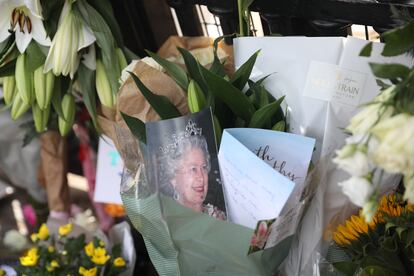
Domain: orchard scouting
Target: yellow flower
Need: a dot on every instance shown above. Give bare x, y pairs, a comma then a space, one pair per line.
50, 249
99, 256
53, 264
101, 244
88, 272
43, 232
2, 272
118, 262
89, 248
65, 229
31, 258
33, 237
390, 205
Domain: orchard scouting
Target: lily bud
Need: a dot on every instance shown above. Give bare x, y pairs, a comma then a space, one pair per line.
9, 89
40, 117
196, 98
103, 87
24, 79
68, 110
19, 107
43, 86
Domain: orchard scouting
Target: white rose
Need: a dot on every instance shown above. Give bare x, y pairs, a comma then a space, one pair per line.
353, 159
409, 188
395, 152
357, 189
369, 115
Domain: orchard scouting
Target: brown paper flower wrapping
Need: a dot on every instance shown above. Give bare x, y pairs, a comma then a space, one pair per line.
53, 170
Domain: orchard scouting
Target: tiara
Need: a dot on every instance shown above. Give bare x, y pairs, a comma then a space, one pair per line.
190, 130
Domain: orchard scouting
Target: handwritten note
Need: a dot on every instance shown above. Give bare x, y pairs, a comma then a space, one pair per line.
257, 175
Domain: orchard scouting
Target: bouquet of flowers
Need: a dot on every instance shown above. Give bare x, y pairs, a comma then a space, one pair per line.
380, 247
56, 53
66, 254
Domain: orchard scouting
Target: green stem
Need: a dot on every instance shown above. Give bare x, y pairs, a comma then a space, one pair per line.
241, 21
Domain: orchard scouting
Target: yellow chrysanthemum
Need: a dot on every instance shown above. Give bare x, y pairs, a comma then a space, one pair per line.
99, 256
33, 237
43, 233
89, 249
50, 249
65, 229
352, 229
31, 258
119, 262
88, 272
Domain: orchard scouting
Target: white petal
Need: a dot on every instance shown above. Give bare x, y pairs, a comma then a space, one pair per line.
86, 37
89, 59
5, 13
23, 39
35, 7
39, 32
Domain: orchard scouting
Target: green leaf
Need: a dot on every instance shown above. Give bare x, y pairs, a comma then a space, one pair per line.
35, 56
161, 104
242, 75
8, 69
398, 40
104, 39
376, 271
410, 237
348, 268
366, 51
129, 55
105, 9
261, 116
217, 67
9, 52
279, 126
173, 69
51, 12
390, 71
235, 99
86, 80
136, 126
194, 69
382, 84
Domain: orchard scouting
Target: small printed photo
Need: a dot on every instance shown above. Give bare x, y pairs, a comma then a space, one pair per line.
184, 164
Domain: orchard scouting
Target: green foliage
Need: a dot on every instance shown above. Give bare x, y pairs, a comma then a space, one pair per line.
366, 51
164, 108
174, 70
136, 126
86, 79
399, 40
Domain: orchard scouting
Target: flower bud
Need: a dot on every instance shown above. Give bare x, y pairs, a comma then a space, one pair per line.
19, 107
103, 88
196, 98
9, 89
24, 79
40, 117
43, 87
68, 110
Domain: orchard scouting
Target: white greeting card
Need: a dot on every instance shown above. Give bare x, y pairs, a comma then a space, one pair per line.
260, 174
108, 173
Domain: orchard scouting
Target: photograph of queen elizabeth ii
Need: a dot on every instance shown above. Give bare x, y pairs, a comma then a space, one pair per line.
184, 156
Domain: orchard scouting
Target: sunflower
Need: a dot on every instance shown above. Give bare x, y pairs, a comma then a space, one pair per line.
390, 206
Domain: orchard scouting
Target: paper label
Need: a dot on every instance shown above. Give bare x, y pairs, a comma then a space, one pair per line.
108, 173
330, 82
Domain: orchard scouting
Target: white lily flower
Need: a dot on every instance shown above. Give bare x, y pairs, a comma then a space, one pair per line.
24, 18
71, 36
357, 189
